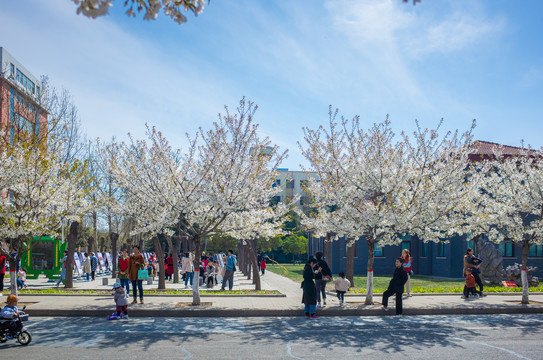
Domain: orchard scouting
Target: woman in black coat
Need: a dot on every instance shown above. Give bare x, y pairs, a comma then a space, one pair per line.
309, 297
396, 287
324, 270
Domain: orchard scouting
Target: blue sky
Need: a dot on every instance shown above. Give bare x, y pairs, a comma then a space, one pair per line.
453, 59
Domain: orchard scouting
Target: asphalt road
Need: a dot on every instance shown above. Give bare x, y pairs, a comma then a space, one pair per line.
410, 337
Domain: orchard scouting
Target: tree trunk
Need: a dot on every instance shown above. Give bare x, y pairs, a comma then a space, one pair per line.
90, 241
350, 262
196, 280
113, 236
102, 243
94, 223
369, 283
328, 250
170, 246
524, 271
141, 243
160, 258
13, 274
72, 241
247, 260
241, 262
176, 244
251, 245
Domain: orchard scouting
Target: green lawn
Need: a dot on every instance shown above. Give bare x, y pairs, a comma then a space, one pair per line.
419, 284
145, 292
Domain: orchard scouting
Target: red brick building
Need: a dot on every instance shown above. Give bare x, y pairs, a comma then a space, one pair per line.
21, 108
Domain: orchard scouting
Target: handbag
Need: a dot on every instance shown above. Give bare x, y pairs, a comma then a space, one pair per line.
327, 278
143, 274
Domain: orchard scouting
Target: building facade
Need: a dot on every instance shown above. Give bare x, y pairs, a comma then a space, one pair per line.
21, 109
444, 259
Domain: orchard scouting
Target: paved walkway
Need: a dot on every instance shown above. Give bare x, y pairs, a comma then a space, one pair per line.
288, 305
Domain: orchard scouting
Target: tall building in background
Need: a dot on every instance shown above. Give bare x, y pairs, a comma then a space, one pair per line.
294, 183
20, 105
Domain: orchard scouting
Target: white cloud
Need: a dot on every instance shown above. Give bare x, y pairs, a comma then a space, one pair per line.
454, 33
118, 81
532, 77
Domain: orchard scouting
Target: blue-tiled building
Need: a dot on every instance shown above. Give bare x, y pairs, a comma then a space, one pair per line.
433, 259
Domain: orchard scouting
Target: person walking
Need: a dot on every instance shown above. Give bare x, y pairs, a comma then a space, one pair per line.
230, 268
395, 286
3, 262
87, 266
342, 285
263, 266
471, 261
169, 267
407, 266
94, 265
136, 262
63, 268
187, 266
122, 262
309, 297
321, 278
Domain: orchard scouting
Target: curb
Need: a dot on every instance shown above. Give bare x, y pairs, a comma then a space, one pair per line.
209, 312
168, 295
509, 293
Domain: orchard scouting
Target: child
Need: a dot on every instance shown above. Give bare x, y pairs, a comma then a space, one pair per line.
10, 312
210, 271
22, 278
121, 300
396, 287
470, 288
263, 266
342, 285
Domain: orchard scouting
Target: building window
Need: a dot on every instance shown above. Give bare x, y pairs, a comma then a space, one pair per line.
506, 249
441, 249
24, 124
424, 249
25, 82
536, 251
406, 245
275, 200
378, 250
290, 184
277, 182
12, 69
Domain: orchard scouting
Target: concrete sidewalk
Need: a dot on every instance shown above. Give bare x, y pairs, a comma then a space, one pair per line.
289, 305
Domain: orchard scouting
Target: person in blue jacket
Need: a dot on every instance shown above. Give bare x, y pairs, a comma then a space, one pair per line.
230, 269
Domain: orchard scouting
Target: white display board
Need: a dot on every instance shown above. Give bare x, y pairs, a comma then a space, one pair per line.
78, 266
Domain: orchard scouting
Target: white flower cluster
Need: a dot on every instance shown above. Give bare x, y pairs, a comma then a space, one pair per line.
221, 183
38, 189
172, 8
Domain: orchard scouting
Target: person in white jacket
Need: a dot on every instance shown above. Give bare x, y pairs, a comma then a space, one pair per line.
187, 266
342, 285
87, 266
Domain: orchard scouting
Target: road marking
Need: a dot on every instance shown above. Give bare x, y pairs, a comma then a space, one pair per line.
189, 355
288, 326
494, 347
289, 352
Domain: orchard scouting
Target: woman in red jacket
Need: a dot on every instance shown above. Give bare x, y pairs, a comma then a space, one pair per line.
123, 271
3, 261
263, 266
169, 267
408, 267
